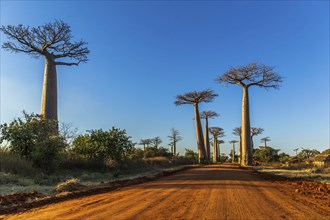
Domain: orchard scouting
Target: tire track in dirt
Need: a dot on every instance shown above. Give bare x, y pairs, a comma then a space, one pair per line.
209, 192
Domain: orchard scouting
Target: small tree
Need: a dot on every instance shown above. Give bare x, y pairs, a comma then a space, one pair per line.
32, 137
174, 138
206, 115
194, 98
99, 145
265, 139
53, 42
306, 153
266, 154
247, 76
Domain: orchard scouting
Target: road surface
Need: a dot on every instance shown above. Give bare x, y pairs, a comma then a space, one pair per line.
209, 192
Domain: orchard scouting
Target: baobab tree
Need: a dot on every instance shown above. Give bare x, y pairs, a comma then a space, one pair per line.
219, 149
265, 139
206, 115
238, 132
145, 143
216, 132
174, 138
233, 151
194, 98
53, 42
255, 132
156, 142
246, 76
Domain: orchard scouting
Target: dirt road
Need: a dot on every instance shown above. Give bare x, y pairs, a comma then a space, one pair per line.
209, 192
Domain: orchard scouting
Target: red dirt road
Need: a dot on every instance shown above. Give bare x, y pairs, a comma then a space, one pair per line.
209, 192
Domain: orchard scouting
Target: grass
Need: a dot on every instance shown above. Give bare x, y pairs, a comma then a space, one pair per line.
18, 175
300, 171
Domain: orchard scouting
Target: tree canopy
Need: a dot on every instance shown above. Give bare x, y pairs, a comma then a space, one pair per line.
195, 97
252, 74
50, 39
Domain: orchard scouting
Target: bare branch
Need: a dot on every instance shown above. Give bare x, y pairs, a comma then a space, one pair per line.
195, 97
51, 39
253, 74
66, 64
216, 132
208, 114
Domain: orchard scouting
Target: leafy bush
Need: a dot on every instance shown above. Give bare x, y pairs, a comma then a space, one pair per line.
34, 138
47, 153
190, 154
99, 145
157, 152
265, 154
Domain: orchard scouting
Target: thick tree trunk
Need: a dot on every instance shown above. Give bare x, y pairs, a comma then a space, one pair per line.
207, 140
246, 131
49, 91
233, 154
174, 148
199, 135
218, 153
240, 149
252, 143
215, 151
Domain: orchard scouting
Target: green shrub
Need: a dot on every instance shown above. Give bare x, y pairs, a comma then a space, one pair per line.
191, 155
47, 154
36, 139
99, 145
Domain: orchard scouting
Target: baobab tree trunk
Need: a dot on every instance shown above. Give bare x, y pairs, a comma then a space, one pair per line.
233, 154
246, 130
174, 149
199, 135
49, 91
252, 143
207, 140
215, 151
218, 151
240, 149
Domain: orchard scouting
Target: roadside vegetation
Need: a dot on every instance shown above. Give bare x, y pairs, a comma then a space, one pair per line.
36, 156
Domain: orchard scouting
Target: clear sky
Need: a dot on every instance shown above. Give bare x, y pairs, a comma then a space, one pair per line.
144, 53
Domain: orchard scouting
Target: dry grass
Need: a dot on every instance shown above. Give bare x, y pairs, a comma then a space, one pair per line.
299, 171
69, 186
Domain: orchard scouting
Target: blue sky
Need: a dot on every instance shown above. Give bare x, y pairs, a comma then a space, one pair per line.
144, 53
